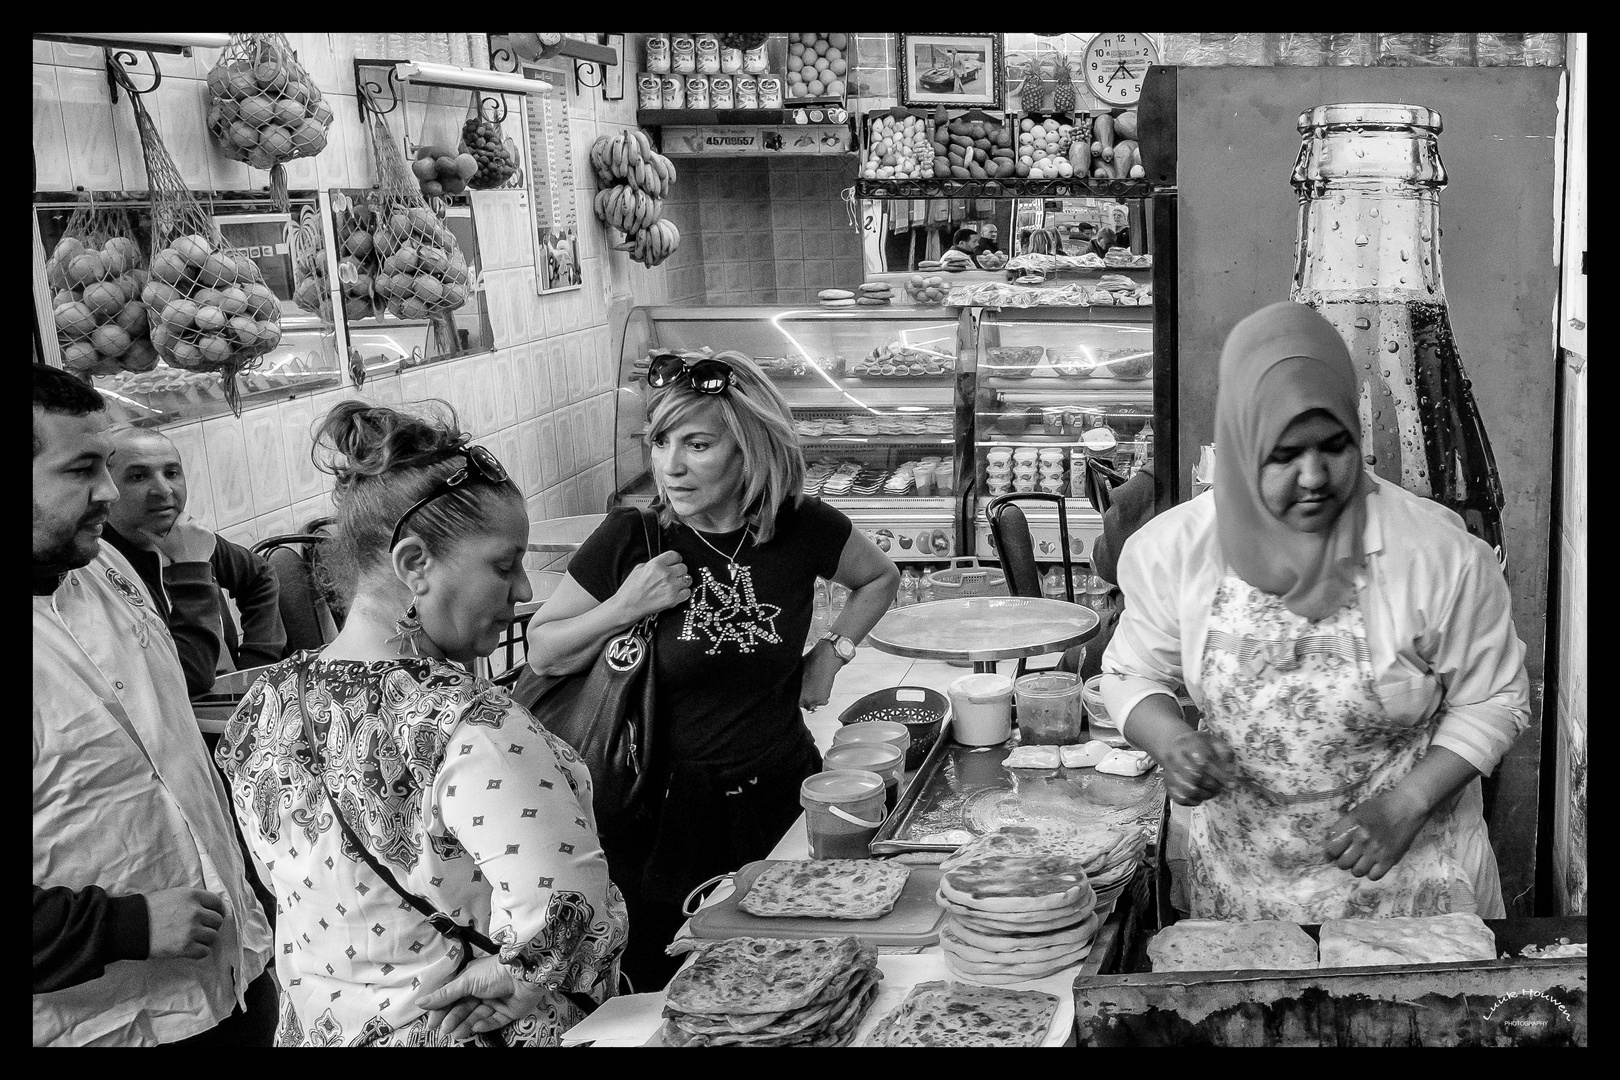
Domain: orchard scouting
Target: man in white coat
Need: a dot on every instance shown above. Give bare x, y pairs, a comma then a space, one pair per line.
146, 930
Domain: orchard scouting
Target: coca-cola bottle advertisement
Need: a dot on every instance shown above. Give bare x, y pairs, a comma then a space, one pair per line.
1369, 178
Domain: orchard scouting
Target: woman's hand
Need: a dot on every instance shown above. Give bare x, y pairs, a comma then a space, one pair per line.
821, 667
1373, 837
655, 586
484, 997
1197, 766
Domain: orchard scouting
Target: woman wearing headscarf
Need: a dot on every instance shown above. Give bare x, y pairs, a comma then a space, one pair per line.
1348, 643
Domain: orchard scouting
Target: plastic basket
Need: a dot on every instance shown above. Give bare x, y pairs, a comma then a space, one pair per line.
965, 577
922, 710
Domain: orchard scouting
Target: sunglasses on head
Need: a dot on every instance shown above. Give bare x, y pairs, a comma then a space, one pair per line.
480, 463
707, 374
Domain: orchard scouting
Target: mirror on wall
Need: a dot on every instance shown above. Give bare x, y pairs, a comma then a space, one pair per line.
138, 387
897, 234
549, 152
378, 277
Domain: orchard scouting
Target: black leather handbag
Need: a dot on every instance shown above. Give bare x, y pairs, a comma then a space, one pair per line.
606, 712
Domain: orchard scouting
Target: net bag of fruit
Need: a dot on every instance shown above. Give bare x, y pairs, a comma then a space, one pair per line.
311, 292
207, 306
265, 110
422, 274
482, 137
96, 274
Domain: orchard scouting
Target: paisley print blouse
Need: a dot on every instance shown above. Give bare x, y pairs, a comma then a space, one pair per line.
465, 799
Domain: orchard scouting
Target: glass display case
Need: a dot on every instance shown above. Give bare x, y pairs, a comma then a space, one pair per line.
1057, 386
881, 398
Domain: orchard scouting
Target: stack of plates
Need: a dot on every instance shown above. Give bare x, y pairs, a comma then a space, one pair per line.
772, 992
1012, 918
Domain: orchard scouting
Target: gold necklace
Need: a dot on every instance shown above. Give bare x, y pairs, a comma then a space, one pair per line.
731, 560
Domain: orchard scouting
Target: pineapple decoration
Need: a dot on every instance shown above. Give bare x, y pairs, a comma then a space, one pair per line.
1063, 95
1033, 88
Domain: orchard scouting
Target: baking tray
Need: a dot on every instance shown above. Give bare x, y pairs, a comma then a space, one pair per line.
961, 791
913, 923
1504, 1002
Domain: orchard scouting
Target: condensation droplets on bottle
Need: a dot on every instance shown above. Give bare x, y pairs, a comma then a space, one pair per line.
1369, 178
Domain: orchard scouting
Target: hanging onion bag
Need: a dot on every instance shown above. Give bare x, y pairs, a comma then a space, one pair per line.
207, 306
96, 273
264, 108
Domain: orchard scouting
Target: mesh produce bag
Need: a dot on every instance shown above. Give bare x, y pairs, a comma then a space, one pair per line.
496, 155
265, 109
422, 274
96, 273
207, 306
357, 261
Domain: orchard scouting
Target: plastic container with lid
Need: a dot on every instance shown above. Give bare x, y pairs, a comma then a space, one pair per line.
1095, 709
843, 812
882, 758
882, 732
981, 709
1049, 708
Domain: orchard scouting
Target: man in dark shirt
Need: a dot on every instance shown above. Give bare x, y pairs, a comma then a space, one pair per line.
185, 565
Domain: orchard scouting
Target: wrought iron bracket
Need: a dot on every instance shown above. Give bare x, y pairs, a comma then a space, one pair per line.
368, 92
117, 61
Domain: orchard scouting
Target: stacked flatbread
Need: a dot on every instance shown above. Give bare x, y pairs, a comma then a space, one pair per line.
1108, 856
1211, 945
1437, 939
954, 1014
826, 889
1012, 918
772, 992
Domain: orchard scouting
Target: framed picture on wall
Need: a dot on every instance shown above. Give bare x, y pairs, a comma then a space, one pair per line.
950, 69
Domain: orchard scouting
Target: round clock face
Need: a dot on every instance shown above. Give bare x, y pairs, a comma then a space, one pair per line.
1115, 65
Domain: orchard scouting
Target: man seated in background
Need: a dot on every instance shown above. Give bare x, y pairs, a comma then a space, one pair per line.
145, 927
960, 255
185, 565
988, 251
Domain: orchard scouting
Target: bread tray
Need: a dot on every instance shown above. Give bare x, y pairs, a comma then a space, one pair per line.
912, 923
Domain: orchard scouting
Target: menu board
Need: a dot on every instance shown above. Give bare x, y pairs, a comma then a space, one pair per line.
551, 180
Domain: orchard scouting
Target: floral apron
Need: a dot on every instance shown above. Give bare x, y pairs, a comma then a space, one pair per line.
1297, 702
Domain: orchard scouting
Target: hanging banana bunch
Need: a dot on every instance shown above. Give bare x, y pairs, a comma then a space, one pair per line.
634, 180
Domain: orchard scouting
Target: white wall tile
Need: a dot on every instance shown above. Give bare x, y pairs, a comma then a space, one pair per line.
523, 381
304, 481
230, 474
188, 441
485, 393
356, 140
551, 310
87, 117
537, 511
574, 365
440, 380
556, 369
567, 441
279, 523
182, 119
506, 392
534, 314
587, 451
572, 502
267, 459
81, 56
44, 53
413, 385
554, 504
528, 455
53, 170
318, 54
244, 533
505, 448
334, 161
546, 450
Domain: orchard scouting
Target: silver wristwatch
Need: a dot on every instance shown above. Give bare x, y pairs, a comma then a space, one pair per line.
843, 647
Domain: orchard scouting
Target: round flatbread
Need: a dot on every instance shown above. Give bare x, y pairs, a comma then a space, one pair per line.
1000, 926
1010, 941
952, 1014
838, 303
1009, 883
954, 945
1214, 945
872, 301
1028, 921
835, 294
826, 889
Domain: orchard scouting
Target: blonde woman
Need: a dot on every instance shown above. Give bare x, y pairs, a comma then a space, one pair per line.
742, 549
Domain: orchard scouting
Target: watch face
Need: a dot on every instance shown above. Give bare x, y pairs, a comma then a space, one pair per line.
1115, 65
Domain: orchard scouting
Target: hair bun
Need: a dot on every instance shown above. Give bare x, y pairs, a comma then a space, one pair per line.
362, 441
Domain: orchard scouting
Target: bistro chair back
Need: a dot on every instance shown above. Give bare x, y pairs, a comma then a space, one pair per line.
307, 611
1009, 529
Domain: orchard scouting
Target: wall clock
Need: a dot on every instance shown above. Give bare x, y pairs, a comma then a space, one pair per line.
1115, 65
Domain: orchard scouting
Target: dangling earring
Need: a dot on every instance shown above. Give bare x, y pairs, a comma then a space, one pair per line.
407, 628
